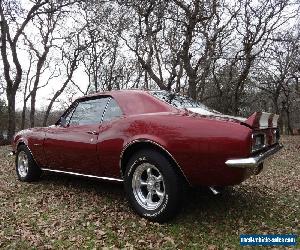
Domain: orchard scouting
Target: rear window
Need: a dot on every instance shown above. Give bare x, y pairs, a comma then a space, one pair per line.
179, 101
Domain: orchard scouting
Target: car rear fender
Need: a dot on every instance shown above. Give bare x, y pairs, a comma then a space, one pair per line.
140, 143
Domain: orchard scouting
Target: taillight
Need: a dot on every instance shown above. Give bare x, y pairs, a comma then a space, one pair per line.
258, 141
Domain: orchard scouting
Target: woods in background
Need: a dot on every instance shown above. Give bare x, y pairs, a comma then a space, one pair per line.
235, 56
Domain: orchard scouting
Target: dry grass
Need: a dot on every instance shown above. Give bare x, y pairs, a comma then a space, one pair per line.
67, 212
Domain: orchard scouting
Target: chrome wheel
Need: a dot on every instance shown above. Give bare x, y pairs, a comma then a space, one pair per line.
148, 186
22, 164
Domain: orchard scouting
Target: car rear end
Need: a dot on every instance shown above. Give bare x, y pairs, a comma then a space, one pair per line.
265, 142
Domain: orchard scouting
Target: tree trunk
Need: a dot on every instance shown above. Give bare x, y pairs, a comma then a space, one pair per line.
46, 116
193, 88
289, 126
56, 95
11, 98
32, 108
23, 116
275, 105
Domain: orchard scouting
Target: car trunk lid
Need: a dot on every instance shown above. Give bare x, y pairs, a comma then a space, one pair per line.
216, 115
258, 120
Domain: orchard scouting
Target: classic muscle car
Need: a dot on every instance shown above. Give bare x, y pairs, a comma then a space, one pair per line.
156, 142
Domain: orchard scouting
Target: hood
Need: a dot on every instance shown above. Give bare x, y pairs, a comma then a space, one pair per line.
28, 130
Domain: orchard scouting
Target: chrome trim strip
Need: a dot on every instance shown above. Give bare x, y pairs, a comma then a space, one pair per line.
104, 111
154, 143
83, 175
253, 161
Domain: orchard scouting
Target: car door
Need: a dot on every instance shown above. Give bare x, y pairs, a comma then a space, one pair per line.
110, 139
73, 147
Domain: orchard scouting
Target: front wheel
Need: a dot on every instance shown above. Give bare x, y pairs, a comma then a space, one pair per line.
26, 168
153, 186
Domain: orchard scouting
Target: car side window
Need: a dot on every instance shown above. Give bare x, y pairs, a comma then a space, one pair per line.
113, 111
69, 114
89, 112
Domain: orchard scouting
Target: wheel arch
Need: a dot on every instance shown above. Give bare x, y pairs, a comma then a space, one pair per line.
24, 142
21, 142
139, 144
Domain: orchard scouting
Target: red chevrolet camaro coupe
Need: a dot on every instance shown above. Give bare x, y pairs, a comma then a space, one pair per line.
156, 142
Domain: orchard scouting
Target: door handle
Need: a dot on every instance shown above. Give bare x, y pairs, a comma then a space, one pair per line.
93, 132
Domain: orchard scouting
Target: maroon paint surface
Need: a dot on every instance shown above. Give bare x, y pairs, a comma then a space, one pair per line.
199, 144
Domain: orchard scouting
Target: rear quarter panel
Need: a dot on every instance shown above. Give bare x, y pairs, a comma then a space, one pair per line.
199, 145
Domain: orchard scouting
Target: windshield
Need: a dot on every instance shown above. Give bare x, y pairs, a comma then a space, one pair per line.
180, 101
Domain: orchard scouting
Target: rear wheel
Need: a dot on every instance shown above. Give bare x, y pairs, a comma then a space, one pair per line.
26, 168
153, 186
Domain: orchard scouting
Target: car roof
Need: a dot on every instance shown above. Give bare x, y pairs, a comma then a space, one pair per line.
134, 102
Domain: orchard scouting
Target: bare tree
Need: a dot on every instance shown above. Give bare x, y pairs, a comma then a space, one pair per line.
71, 53
103, 59
13, 23
149, 40
25, 88
195, 14
46, 26
253, 25
219, 52
10, 38
259, 23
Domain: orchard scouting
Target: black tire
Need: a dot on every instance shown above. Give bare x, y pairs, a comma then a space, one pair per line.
172, 185
29, 171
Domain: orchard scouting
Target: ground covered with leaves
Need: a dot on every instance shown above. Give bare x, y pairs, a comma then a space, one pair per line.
67, 212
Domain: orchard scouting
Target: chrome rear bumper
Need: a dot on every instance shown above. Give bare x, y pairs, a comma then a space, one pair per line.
253, 161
